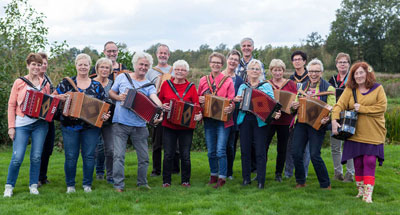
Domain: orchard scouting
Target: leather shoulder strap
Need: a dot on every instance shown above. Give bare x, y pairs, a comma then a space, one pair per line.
158, 70
72, 83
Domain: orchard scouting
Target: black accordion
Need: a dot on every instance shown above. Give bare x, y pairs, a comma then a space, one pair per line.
348, 121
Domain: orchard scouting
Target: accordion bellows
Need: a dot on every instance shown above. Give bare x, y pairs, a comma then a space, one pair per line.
285, 98
82, 106
39, 105
311, 111
143, 106
182, 113
214, 107
260, 104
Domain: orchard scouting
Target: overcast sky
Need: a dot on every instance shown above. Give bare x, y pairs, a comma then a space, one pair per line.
184, 24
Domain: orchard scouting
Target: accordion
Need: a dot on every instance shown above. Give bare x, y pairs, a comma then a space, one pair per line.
82, 106
182, 113
311, 111
39, 105
161, 79
141, 105
284, 98
214, 107
260, 104
348, 121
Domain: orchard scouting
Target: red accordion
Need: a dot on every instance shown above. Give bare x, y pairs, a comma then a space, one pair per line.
143, 106
182, 113
260, 104
39, 105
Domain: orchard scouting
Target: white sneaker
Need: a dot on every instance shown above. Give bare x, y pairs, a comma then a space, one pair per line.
87, 189
71, 189
8, 192
33, 189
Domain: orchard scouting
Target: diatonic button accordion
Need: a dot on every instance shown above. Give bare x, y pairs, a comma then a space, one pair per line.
182, 113
311, 111
214, 107
285, 98
348, 121
39, 105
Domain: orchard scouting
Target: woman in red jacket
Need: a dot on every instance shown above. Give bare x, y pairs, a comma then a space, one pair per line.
178, 88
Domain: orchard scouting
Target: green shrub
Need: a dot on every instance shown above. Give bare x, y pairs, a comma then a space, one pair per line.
392, 118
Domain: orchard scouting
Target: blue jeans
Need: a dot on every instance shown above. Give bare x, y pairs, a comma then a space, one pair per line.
305, 133
216, 138
74, 141
37, 131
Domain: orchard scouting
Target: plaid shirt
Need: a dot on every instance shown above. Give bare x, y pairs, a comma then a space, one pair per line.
241, 70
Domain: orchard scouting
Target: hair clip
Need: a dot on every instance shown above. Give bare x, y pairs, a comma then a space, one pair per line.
370, 69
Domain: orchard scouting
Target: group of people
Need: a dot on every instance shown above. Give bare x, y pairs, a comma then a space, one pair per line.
297, 143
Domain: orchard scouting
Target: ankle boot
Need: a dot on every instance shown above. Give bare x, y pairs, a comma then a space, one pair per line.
367, 197
360, 188
213, 180
220, 183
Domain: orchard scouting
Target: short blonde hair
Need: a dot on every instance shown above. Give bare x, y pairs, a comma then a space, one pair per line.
277, 63
342, 54
218, 55
83, 56
103, 60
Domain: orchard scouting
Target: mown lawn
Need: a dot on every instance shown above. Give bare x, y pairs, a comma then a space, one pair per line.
276, 198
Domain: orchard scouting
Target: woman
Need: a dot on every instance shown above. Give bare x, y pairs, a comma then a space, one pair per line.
105, 149
232, 62
304, 133
77, 134
216, 132
252, 129
366, 145
21, 127
178, 88
281, 126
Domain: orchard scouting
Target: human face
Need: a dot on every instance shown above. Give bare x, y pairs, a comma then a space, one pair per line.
34, 68
180, 72
314, 73
247, 48
254, 71
44, 67
141, 67
232, 62
277, 73
104, 70
111, 52
298, 62
82, 67
163, 55
216, 64
342, 65
360, 75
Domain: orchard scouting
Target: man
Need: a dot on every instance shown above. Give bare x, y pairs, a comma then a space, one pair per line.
339, 81
153, 75
300, 76
247, 47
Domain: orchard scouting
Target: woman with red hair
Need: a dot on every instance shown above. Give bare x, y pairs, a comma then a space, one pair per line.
366, 145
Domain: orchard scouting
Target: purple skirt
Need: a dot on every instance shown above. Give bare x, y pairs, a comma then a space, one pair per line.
352, 149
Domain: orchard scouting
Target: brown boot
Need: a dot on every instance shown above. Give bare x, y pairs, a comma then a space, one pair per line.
220, 183
213, 180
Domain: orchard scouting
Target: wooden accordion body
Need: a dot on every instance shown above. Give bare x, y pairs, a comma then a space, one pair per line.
311, 111
182, 113
348, 121
285, 98
214, 107
260, 104
82, 106
142, 106
161, 79
39, 105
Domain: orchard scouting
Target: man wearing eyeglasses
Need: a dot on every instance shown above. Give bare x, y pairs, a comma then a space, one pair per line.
339, 83
111, 52
247, 47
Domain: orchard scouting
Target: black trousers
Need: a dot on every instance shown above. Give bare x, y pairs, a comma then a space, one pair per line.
231, 150
283, 137
47, 151
157, 151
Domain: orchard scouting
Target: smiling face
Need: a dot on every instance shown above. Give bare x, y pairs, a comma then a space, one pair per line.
163, 55
314, 73
44, 67
104, 70
360, 76
232, 62
247, 49
34, 68
254, 71
180, 72
216, 64
298, 62
111, 52
141, 67
277, 73
82, 66
342, 65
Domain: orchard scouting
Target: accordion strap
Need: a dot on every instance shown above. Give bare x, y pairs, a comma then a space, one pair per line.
70, 81
176, 92
28, 82
49, 80
282, 86
160, 71
354, 95
210, 86
131, 82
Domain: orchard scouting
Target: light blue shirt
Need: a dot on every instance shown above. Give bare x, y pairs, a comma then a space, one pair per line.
266, 88
124, 115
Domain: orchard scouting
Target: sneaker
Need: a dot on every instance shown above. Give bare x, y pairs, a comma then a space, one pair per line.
33, 189
144, 187
8, 192
186, 184
71, 189
87, 189
166, 185
348, 177
100, 177
338, 177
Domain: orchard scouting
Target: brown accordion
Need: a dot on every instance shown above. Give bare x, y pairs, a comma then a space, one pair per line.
260, 104
214, 107
311, 111
285, 98
82, 106
39, 105
142, 106
182, 113
161, 79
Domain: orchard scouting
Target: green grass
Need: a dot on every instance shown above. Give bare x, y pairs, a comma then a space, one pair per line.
276, 198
